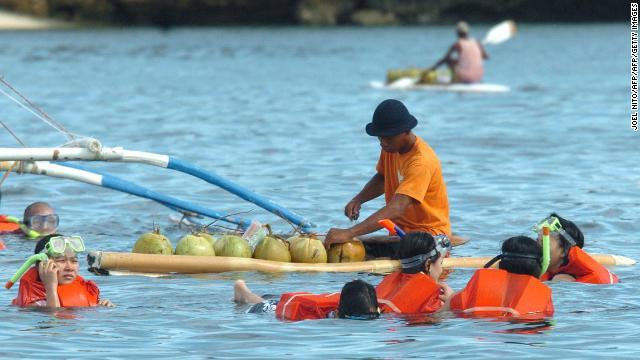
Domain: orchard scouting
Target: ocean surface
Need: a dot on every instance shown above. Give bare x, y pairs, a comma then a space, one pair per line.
282, 112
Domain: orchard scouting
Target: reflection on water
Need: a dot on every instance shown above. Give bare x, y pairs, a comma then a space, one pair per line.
281, 111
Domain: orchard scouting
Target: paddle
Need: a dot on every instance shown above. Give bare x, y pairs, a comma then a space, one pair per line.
500, 33
496, 35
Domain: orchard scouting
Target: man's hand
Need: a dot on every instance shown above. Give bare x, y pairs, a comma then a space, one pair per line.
352, 210
48, 271
337, 236
106, 302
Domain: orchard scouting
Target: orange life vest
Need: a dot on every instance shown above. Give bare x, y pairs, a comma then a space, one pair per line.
498, 293
408, 293
306, 306
584, 268
78, 293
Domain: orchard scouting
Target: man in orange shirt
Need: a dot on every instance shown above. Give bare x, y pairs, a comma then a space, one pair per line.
408, 174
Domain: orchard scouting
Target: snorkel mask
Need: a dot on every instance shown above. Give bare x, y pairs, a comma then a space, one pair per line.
554, 226
56, 246
443, 245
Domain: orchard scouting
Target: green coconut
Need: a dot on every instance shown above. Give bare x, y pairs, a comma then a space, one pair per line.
191, 244
206, 235
395, 74
307, 250
272, 248
351, 251
153, 243
232, 246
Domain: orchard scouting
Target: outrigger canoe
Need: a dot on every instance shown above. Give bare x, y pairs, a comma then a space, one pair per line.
103, 262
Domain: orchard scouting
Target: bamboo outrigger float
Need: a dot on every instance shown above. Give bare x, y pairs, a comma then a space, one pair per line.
184, 264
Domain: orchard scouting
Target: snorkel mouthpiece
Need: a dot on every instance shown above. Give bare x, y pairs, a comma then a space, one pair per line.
546, 250
392, 227
27, 264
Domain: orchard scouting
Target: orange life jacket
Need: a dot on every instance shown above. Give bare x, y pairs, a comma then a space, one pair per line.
408, 293
78, 293
498, 293
306, 306
584, 268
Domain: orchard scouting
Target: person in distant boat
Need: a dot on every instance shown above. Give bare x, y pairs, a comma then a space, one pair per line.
568, 262
39, 219
409, 175
464, 57
55, 282
513, 291
356, 301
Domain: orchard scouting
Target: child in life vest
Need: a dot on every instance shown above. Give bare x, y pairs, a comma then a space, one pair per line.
415, 289
568, 262
54, 281
356, 301
511, 291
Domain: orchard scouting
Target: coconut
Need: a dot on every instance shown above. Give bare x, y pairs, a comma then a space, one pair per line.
395, 74
206, 235
232, 246
307, 250
272, 248
153, 243
350, 251
191, 244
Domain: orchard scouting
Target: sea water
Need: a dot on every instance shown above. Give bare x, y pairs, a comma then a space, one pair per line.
282, 112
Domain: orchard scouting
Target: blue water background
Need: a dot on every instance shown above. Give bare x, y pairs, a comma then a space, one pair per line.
282, 112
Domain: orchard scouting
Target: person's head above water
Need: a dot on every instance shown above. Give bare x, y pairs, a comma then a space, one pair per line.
392, 124
41, 217
63, 251
358, 301
419, 251
520, 255
563, 234
462, 29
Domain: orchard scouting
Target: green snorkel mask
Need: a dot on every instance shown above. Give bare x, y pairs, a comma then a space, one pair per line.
57, 245
548, 225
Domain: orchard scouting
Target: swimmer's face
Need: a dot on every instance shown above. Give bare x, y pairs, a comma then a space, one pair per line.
557, 253
68, 267
435, 269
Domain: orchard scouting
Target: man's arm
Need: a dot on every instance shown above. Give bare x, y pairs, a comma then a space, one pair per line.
393, 210
373, 189
446, 58
484, 52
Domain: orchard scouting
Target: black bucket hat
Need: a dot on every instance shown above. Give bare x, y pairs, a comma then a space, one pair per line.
391, 118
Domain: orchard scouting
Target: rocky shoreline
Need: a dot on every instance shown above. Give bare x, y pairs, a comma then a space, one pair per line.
168, 13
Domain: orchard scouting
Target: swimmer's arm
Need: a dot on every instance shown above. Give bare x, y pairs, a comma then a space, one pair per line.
445, 297
564, 277
52, 296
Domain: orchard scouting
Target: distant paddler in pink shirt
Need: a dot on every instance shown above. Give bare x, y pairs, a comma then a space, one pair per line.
465, 57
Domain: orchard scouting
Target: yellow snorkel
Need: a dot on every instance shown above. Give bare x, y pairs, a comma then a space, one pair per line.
546, 248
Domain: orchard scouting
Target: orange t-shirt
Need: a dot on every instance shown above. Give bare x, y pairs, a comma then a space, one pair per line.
417, 174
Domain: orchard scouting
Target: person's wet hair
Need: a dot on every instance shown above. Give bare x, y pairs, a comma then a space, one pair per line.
358, 300
572, 229
530, 261
413, 244
42, 242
